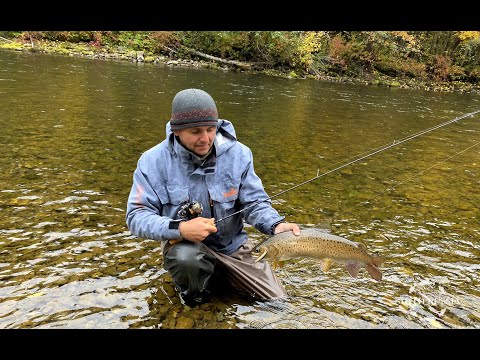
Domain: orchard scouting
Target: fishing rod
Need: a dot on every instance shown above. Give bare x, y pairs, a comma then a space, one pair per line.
395, 143
414, 176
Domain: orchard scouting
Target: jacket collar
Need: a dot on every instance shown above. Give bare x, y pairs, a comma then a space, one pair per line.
203, 165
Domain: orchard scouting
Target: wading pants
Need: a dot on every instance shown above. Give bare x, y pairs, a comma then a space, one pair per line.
193, 266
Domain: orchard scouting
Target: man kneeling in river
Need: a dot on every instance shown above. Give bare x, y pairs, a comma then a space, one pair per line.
199, 173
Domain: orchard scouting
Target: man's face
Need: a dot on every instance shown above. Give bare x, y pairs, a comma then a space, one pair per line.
197, 139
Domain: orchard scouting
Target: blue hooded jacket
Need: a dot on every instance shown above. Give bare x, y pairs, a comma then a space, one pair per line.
168, 176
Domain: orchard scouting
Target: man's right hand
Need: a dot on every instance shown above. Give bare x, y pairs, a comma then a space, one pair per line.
197, 229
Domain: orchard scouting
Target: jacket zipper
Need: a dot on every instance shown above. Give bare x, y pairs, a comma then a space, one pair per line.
211, 206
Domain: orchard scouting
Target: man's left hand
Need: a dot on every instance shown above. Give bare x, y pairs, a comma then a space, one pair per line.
282, 227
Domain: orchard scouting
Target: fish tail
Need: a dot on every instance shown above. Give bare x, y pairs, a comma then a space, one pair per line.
377, 260
374, 271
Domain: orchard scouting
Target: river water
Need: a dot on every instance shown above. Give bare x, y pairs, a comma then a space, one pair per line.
72, 130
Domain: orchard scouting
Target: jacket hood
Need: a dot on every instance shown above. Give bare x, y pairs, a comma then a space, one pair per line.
224, 140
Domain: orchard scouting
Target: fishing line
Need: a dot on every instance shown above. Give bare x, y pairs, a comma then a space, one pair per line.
414, 176
376, 151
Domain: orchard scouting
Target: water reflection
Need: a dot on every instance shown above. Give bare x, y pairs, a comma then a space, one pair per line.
73, 129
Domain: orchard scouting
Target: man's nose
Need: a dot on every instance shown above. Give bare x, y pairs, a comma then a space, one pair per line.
204, 136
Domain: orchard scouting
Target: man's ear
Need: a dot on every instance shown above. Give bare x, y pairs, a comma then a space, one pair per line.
176, 132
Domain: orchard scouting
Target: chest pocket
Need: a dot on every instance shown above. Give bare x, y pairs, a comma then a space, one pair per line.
177, 194
224, 198
172, 196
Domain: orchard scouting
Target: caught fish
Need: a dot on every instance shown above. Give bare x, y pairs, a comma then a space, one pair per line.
317, 244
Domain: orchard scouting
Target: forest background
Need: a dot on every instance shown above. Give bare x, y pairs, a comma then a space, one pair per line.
429, 60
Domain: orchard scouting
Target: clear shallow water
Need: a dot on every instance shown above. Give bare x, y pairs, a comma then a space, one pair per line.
73, 129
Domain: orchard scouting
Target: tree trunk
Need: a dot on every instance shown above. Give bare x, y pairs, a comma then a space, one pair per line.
238, 64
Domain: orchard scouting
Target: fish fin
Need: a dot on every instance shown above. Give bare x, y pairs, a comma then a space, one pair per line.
353, 268
362, 247
377, 260
374, 272
326, 264
277, 264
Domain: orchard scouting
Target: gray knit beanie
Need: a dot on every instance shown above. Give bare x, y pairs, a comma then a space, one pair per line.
192, 108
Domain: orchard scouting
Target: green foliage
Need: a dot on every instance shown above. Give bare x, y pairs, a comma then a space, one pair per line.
474, 74
11, 45
311, 49
71, 36
135, 40
224, 44
270, 48
437, 55
10, 34
161, 41
276, 48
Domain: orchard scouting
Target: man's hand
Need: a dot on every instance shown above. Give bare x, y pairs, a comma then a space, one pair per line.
197, 229
282, 227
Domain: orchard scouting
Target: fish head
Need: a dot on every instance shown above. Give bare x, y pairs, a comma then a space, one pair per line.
259, 253
264, 251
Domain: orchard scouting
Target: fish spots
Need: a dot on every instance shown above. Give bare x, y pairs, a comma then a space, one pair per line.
321, 245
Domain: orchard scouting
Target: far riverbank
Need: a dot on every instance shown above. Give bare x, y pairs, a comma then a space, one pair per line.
120, 53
